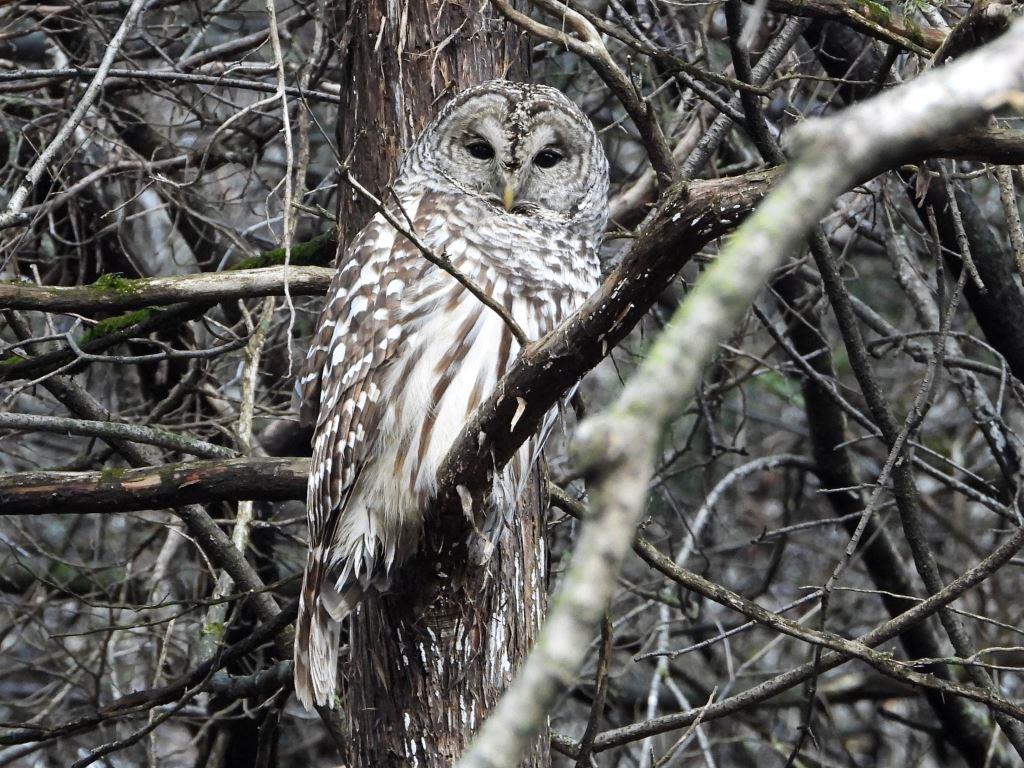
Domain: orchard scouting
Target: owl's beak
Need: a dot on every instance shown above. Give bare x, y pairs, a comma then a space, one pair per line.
508, 197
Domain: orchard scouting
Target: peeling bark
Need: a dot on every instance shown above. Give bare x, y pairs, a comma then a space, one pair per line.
432, 657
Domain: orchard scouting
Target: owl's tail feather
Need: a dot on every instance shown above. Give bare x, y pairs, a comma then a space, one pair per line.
317, 630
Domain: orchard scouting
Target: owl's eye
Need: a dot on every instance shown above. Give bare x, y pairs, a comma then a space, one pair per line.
481, 150
547, 158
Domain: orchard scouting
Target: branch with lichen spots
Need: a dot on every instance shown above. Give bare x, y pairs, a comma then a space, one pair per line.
261, 275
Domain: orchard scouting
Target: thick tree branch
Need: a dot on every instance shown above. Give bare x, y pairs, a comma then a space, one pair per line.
117, 294
983, 144
986, 19
318, 251
170, 485
260, 684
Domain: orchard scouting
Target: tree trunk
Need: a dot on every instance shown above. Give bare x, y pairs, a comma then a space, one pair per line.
428, 660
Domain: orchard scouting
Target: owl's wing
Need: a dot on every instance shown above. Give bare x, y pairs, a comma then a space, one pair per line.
357, 338
309, 384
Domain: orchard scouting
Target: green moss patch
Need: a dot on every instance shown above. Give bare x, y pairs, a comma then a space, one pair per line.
318, 252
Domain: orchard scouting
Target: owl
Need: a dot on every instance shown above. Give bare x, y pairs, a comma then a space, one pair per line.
510, 182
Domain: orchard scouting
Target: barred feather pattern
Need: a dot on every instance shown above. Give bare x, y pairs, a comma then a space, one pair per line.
402, 356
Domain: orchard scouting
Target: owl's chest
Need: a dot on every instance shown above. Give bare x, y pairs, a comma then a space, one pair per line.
503, 253
449, 360
453, 348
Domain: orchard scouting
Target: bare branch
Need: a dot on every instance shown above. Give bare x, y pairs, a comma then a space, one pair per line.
776, 685
13, 215
116, 294
116, 431
188, 78
170, 485
871, 19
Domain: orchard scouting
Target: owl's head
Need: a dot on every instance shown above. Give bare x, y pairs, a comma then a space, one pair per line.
523, 148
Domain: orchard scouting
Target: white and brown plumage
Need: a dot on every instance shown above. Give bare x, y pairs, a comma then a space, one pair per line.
510, 182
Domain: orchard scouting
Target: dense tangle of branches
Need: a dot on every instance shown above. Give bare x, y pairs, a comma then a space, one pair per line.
827, 569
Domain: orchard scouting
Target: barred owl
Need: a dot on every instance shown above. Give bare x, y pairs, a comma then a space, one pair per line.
510, 182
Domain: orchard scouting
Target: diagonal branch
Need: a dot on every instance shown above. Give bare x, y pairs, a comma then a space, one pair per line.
869, 18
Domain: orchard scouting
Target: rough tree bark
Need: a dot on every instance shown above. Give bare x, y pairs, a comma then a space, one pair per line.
429, 660
400, 62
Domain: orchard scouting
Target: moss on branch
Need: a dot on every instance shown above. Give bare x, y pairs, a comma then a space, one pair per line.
192, 295
318, 252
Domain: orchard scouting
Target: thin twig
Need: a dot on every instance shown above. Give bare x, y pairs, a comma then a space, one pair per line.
115, 430
1008, 198
600, 689
158, 75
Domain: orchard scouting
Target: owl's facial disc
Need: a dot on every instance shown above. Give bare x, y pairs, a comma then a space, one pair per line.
528, 156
